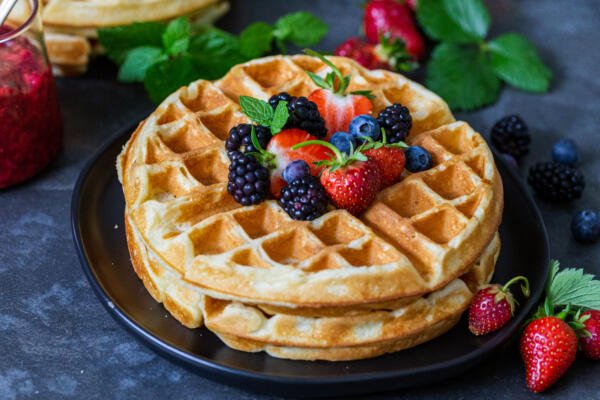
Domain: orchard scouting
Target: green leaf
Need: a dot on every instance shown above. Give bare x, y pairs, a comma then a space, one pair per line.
301, 28
176, 38
575, 288
256, 39
470, 15
257, 110
434, 18
165, 77
280, 117
214, 52
320, 82
118, 41
138, 61
517, 62
462, 75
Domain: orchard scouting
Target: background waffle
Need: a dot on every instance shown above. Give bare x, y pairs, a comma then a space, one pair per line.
71, 25
330, 334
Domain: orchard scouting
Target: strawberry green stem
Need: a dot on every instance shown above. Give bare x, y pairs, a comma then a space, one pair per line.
342, 80
524, 286
338, 154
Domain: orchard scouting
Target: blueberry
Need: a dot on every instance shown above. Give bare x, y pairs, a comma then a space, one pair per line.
565, 152
365, 125
417, 159
585, 226
343, 141
296, 169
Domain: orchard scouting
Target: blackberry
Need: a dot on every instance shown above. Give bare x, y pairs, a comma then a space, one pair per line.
240, 140
304, 198
248, 180
511, 136
396, 121
556, 182
304, 114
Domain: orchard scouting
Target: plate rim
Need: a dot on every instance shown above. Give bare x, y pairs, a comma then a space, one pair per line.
213, 367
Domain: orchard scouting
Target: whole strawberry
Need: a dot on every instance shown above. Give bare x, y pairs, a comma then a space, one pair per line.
390, 161
548, 347
361, 52
350, 180
395, 20
493, 306
389, 54
590, 344
352, 187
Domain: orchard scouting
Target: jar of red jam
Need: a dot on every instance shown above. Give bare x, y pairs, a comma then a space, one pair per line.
30, 122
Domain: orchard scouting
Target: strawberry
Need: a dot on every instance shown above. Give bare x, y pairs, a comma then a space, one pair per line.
590, 344
350, 180
352, 187
390, 161
390, 17
493, 306
389, 54
548, 347
279, 148
362, 52
335, 105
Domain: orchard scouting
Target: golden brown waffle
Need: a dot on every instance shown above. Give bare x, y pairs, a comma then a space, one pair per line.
418, 235
71, 25
330, 334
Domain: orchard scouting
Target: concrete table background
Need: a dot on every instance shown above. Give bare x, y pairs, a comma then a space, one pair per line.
56, 340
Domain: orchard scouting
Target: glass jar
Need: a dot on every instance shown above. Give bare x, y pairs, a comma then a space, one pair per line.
31, 126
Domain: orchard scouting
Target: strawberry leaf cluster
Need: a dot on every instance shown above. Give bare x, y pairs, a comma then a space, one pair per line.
167, 56
569, 292
465, 69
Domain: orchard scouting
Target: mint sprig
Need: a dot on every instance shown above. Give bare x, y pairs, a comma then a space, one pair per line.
180, 52
262, 113
466, 70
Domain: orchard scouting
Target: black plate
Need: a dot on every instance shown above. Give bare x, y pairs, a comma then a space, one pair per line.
97, 222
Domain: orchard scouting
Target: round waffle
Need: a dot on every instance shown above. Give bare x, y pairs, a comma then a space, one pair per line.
416, 237
323, 333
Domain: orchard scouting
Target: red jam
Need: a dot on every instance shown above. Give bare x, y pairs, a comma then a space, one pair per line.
30, 120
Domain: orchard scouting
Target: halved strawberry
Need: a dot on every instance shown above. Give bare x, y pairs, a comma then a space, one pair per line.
280, 147
335, 105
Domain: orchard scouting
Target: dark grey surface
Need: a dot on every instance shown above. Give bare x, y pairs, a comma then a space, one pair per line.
58, 342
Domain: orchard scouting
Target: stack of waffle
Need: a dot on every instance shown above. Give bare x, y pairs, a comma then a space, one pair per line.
337, 288
71, 26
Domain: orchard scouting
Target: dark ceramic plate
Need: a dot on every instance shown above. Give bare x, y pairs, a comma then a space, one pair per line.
97, 218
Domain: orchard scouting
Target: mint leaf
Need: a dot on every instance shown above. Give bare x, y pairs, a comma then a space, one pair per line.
256, 39
176, 38
470, 15
280, 117
214, 52
573, 287
434, 18
462, 75
138, 61
165, 77
257, 110
301, 28
516, 61
118, 41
